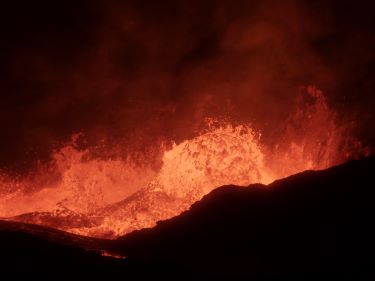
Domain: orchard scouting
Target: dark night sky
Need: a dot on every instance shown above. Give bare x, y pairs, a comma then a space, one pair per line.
126, 70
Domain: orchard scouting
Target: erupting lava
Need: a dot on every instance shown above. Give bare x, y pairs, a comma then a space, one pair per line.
108, 198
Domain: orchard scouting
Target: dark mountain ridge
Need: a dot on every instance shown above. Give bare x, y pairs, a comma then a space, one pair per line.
311, 223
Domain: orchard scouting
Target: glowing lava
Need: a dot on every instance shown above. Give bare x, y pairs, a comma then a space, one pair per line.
108, 198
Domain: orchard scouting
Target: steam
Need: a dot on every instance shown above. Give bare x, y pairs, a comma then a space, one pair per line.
143, 72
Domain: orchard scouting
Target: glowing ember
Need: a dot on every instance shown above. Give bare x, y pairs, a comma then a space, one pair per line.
108, 198
111, 255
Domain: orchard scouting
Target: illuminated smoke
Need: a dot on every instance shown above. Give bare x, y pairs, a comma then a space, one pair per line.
111, 197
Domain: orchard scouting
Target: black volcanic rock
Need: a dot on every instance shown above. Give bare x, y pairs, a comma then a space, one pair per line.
313, 225
48, 254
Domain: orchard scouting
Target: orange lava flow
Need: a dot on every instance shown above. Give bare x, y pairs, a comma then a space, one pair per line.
109, 198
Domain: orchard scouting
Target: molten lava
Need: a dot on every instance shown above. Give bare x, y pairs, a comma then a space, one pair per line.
108, 198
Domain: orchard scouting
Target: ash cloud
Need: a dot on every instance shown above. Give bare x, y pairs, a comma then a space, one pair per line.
134, 72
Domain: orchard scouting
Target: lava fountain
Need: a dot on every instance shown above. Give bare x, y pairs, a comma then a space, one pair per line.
111, 197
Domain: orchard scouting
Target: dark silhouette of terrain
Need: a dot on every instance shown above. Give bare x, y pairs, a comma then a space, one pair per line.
46, 253
313, 225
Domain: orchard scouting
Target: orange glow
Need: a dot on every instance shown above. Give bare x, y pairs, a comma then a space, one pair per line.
111, 255
111, 197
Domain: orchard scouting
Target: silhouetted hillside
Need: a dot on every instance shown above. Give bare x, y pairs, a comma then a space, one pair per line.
311, 225
36, 251
314, 224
